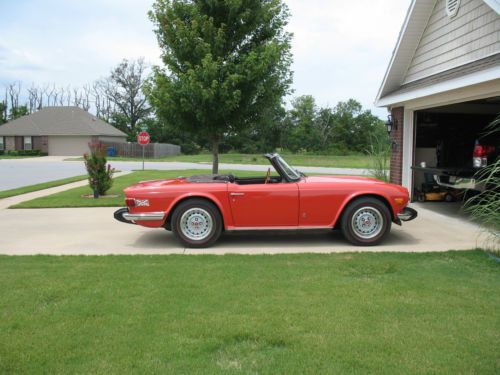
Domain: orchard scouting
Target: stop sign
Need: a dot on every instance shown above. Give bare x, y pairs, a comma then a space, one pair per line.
143, 138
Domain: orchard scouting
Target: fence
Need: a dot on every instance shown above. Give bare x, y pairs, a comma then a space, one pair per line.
152, 150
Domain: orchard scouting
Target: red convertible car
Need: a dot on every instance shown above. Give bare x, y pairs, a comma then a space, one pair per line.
197, 209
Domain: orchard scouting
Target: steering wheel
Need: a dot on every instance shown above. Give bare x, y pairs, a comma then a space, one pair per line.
268, 176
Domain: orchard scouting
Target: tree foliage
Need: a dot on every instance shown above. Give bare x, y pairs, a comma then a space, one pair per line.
3, 113
226, 63
124, 88
345, 128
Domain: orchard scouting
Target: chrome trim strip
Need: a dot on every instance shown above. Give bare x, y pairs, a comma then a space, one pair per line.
278, 228
145, 216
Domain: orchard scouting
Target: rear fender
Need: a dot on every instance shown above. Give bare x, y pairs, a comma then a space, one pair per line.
224, 209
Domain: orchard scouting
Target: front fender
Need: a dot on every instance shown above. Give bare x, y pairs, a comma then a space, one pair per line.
349, 198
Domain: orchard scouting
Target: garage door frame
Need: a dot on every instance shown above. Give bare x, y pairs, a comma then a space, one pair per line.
465, 94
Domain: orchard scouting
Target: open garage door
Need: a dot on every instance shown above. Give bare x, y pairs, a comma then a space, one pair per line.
445, 139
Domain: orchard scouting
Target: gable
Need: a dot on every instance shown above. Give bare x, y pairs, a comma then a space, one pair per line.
448, 42
431, 43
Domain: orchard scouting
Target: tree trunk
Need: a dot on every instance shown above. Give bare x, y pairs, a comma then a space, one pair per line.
215, 155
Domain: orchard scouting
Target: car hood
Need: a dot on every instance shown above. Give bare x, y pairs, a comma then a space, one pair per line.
353, 181
342, 179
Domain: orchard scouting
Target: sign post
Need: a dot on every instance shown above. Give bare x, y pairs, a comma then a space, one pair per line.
143, 139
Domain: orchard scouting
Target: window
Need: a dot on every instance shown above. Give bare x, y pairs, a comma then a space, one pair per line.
2, 144
27, 143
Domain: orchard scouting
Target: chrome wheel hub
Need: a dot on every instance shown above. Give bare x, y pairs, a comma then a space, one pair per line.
367, 222
196, 224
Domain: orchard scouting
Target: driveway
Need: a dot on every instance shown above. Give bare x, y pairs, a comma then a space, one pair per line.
15, 173
93, 231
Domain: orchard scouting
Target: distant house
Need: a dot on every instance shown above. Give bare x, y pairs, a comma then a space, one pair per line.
64, 131
442, 86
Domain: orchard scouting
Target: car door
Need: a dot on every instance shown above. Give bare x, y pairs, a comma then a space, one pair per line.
264, 205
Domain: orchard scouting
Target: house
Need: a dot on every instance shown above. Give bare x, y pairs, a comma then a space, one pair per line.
442, 86
62, 131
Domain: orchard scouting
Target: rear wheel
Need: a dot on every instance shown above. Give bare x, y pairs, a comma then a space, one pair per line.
197, 223
366, 222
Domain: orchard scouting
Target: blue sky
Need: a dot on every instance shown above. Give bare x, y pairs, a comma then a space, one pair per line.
341, 47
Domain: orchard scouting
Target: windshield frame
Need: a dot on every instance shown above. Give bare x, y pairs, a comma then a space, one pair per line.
286, 171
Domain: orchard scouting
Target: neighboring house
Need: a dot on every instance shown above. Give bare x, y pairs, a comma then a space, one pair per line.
442, 86
61, 131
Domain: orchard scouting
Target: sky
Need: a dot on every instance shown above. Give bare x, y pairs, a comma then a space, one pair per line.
341, 48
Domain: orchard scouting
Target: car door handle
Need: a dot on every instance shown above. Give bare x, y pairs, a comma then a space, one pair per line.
236, 194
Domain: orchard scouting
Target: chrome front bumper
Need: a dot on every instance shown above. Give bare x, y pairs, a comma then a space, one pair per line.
125, 217
407, 214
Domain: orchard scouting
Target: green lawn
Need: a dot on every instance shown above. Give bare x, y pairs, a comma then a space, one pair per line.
344, 161
44, 185
287, 314
73, 197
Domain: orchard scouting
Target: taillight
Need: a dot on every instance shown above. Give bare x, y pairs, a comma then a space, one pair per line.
130, 202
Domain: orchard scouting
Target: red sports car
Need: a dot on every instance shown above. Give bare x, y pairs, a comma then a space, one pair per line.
198, 208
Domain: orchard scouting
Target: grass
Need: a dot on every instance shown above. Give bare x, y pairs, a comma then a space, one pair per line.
287, 314
336, 161
73, 197
44, 185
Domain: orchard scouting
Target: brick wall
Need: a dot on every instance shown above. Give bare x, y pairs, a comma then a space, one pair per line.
397, 145
10, 143
41, 143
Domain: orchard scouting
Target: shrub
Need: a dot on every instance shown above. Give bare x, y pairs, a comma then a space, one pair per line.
484, 207
100, 174
379, 153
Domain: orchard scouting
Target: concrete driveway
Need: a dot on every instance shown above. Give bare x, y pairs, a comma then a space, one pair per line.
93, 231
15, 173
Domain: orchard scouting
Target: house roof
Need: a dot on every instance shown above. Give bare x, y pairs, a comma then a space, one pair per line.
59, 121
409, 37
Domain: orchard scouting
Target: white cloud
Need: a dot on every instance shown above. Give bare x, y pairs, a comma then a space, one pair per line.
341, 47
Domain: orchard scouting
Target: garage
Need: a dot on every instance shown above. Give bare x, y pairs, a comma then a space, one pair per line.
441, 89
68, 145
452, 144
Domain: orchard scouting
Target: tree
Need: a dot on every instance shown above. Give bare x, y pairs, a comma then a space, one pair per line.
226, 62
3, 113
19, 111
124, 89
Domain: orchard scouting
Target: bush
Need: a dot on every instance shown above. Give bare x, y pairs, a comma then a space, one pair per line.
23, 153
484, 207
100, 174
379, 153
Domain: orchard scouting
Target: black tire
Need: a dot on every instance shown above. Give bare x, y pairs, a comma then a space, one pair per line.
378, 222
196, 210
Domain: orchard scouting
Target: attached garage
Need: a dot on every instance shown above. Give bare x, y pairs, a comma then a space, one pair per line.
68, 145
445, 137
442, 88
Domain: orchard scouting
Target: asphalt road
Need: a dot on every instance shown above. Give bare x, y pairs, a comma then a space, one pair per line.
93, 231
15, 173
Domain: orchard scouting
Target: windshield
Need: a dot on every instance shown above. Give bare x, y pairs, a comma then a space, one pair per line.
291, 173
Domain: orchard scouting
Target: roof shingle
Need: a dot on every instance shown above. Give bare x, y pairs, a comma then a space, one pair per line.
59, 121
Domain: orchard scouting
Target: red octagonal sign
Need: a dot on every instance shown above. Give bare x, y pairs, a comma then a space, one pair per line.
143, 138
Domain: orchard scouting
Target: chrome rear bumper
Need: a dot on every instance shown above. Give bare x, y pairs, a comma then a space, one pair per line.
125, 217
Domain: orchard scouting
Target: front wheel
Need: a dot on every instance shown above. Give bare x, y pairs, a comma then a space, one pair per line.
197, 223
366, 222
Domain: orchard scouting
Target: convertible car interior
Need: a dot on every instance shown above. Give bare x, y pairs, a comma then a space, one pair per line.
221, 178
